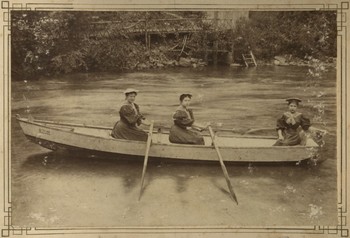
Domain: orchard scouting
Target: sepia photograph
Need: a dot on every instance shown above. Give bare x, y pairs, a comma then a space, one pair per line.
121, 120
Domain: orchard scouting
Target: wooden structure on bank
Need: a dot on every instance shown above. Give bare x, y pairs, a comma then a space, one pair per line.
249, 59
215, 23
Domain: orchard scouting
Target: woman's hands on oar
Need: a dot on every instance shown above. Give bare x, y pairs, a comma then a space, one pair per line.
148, 145
146, 122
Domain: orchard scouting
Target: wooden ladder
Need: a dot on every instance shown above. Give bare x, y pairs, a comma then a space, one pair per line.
249, 59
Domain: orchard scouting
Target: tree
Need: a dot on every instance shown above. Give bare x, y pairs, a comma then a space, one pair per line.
290, 32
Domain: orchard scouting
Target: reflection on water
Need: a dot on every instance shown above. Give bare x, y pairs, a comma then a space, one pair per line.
48, 186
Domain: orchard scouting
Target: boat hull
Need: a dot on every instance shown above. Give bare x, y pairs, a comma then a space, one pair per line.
98, 140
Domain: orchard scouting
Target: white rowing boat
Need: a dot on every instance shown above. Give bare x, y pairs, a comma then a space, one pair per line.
95, 139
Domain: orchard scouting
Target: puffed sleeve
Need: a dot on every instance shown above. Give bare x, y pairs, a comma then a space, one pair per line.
304, 122
128, 113
141, 117
281, 123
191, 113
181, 119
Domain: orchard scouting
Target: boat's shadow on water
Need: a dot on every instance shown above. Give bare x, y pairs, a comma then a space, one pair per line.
129, 169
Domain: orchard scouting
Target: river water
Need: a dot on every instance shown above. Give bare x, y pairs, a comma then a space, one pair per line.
59, 189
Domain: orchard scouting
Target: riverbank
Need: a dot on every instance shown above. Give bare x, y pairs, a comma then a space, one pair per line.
161, 61
289, 60
159, 58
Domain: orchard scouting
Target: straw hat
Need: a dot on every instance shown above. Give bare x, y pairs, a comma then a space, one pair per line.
130, 90
290, 100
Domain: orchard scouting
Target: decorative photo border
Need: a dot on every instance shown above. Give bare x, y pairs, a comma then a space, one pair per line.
342, 227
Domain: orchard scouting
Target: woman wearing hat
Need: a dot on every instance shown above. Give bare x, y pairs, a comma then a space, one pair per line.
182, 131
289, 123
130, 118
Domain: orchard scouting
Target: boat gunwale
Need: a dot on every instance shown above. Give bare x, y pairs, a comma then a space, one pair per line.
159, 127
163, 144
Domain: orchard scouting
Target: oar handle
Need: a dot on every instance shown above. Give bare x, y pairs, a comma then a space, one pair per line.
149, 138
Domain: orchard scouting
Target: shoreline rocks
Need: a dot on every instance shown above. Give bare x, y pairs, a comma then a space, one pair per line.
165, 62
287, 60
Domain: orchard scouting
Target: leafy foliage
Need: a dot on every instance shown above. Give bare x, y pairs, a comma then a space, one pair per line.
306, 33
46, 43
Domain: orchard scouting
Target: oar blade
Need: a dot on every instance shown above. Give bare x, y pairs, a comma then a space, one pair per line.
233, 195
229, 184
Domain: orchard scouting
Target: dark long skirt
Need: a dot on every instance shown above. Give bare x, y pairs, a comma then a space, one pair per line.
122, 130
291, 137
182, 136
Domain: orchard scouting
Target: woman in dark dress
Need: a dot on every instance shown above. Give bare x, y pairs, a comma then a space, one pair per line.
183, 130
130, 119
289, 123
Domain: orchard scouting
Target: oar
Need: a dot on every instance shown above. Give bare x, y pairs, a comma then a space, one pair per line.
148, 145
233, 195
